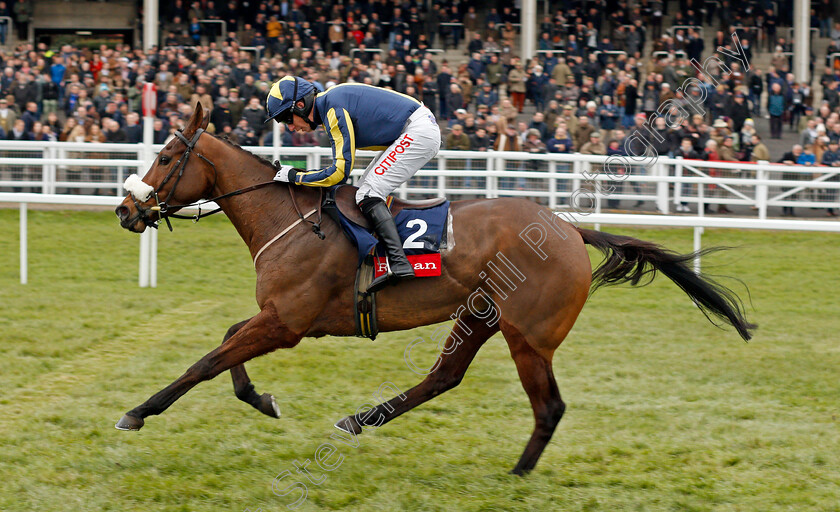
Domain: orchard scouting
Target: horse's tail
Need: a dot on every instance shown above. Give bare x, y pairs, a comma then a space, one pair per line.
628, 259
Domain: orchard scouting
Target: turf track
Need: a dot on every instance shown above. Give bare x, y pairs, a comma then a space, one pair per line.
665, 412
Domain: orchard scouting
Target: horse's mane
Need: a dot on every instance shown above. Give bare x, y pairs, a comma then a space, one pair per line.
275, 166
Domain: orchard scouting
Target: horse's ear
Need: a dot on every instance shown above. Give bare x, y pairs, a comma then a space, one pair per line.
205, 119
198, 120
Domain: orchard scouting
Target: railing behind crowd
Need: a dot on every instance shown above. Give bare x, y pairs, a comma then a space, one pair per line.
223, 24
685, 28
556, 180
613, 53
677, 54
811, 31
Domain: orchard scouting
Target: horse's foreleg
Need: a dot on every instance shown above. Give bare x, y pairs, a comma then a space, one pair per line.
260, 335
242, 386
537, 378
467, 337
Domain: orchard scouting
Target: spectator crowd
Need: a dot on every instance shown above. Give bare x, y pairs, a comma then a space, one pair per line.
591, 87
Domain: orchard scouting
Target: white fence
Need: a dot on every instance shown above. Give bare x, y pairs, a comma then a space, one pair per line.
571, 184
552, 179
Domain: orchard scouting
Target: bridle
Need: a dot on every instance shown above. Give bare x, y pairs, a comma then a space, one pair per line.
164, 210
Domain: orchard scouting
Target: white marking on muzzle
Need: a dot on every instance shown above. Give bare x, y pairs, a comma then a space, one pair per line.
136, 187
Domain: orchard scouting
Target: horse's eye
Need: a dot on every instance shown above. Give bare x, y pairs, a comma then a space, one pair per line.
164, 160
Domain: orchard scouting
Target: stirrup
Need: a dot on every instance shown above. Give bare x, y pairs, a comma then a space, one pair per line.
380, 282
388, 278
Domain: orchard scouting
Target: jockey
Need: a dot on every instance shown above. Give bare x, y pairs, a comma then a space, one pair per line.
365, 117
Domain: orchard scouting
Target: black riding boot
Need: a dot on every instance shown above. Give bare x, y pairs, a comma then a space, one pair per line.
383, 224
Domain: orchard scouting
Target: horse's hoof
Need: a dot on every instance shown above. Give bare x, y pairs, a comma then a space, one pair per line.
349, 425
268, 406
128, 422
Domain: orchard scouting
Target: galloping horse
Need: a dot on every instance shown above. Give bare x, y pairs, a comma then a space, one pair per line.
305, 285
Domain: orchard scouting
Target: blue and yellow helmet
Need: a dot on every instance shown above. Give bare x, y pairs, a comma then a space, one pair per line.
284, 94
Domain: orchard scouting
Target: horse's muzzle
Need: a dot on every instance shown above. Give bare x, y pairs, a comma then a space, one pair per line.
132, 223
122, 212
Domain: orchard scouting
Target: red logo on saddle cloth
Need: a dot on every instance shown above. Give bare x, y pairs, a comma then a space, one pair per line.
425, 265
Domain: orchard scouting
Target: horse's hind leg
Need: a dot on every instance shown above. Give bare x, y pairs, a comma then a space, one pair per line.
538, 380
243, 387
448, 371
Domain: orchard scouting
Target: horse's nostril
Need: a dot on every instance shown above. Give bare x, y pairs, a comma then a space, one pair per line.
122, 212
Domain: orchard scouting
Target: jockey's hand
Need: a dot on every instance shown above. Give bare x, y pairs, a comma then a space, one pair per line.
286, 174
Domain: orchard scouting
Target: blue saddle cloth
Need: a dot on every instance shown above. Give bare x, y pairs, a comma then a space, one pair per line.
421, 230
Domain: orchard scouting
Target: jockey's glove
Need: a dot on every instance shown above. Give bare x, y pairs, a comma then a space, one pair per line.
286, 174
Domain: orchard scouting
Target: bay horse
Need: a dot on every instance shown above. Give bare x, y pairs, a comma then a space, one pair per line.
304, 285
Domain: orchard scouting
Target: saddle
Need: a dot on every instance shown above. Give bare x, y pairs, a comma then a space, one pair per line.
343, 197
340, 205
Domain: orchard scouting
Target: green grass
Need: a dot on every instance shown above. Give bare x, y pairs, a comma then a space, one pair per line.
665, 412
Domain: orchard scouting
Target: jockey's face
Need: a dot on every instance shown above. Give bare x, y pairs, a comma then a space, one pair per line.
299, 124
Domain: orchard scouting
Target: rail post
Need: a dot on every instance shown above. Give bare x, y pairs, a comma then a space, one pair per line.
277, 142
23, 245
488, 183
761, 191
698, 244
662, 205
678, 173
146, 255
552, 184
441, 180
701, 199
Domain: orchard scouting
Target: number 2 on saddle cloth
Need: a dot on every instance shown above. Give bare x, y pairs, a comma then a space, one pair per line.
423, 232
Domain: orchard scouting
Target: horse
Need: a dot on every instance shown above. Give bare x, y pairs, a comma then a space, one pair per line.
514, 267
